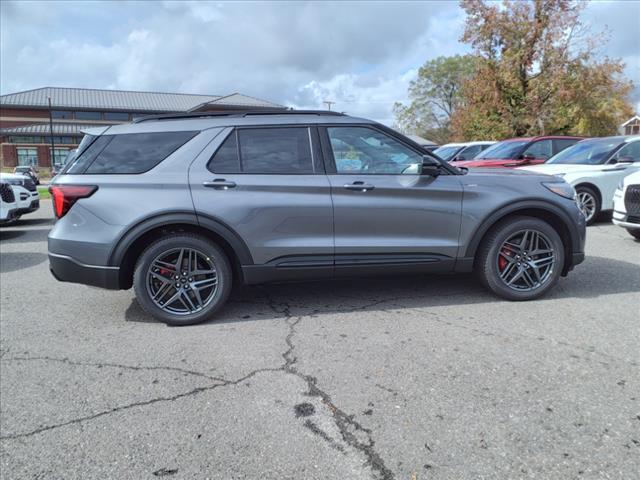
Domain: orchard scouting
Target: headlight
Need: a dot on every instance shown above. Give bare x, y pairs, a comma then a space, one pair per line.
561, 188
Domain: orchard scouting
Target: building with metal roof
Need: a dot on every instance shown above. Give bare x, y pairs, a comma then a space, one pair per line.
25, 132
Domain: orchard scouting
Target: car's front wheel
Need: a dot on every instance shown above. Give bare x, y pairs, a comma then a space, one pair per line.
521, 258
588, 202
182, 279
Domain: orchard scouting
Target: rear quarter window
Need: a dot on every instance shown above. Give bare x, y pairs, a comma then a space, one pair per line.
129, 153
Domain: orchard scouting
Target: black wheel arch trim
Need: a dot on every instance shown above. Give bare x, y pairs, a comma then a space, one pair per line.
196, 219
494, 217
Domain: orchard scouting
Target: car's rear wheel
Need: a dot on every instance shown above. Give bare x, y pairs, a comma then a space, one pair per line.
182, 279
588, 202
521, 258
634, 232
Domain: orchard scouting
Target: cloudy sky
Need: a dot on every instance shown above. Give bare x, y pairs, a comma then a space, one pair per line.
360, 55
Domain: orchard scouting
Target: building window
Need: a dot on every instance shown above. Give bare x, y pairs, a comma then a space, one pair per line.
63, 140
25, 139
27, 156
62, 114
59, 155
88, 115
116, 116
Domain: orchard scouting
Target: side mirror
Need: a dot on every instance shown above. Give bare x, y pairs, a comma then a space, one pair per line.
527, 157
430, 166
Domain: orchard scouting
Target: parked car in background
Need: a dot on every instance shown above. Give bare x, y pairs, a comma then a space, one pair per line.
8, 205
461, 151
260, 197
25, 192
595, 167
517, 152
28, 170
626, 204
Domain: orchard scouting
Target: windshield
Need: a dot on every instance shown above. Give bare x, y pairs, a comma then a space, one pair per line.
502, 150
587, 152
447, 152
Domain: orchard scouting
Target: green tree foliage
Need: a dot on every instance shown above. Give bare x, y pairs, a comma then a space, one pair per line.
537, 72
434, 97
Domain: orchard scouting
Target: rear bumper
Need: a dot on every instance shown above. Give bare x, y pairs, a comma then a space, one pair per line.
67, 269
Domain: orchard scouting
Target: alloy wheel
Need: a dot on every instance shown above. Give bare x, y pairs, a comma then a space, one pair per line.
526, 260
586, 204
182, 281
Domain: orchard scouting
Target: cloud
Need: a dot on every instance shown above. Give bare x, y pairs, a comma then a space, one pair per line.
361, 55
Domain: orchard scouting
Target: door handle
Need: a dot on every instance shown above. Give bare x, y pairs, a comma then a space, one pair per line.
359, 186
219, 184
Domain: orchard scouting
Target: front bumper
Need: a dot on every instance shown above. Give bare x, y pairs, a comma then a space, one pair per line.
68, 269
33, 206
627, 221
12, 216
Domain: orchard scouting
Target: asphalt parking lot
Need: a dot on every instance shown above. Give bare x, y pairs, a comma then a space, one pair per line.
405, 378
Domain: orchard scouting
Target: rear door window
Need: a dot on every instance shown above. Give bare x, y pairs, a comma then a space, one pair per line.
135, 152
540, 149
278, 150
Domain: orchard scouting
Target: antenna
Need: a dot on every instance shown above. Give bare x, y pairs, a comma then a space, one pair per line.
328, 103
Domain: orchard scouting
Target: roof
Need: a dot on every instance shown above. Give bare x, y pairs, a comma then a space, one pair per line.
468, 144
631, 120
94, 99
236, 100
544, 137
44, 129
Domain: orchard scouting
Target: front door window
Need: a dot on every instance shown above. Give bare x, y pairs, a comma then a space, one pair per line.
362, 150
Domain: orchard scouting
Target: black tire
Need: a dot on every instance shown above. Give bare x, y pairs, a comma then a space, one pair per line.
584, 190
488, 257
634, 232
214, 254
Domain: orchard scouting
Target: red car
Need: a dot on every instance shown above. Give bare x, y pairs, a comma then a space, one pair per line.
517, 152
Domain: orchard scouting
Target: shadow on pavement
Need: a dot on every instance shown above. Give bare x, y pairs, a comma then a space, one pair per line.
595, 277
14, 261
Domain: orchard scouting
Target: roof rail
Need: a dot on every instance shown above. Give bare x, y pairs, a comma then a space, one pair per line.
233, 113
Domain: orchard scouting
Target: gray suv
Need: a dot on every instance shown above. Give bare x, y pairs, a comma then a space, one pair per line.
181, 207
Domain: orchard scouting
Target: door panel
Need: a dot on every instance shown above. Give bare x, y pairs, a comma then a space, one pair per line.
382, 209
275, 214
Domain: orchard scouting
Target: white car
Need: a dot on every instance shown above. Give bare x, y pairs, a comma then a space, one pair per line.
626, 204
594, 167
25, 192
462, 151
8, 205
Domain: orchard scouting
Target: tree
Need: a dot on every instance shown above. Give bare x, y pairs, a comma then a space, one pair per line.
537, 73
434, 97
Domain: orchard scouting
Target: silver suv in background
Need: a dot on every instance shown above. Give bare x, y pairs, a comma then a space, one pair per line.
182, 206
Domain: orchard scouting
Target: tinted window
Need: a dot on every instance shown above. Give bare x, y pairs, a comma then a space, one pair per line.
61, 114
88, 153
470, 152
88, 115
226, 159
118, 116
630, 152
502, 151
562, 143
587, 152
361, 150
137, 152
447, 152
275, 150
540, 149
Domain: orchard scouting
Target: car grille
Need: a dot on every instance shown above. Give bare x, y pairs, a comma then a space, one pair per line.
6, 193
632, 199
29, 185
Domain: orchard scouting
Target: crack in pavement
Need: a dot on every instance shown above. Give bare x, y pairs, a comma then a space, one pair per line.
349, 428
115, 365
121, 408
347, 425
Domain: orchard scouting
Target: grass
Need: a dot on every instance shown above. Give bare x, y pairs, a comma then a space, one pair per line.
44, 193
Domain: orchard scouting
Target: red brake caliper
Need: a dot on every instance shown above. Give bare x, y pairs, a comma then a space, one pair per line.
502, 262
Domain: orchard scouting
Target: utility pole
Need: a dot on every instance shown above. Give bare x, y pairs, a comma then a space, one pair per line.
328, 103
53, 145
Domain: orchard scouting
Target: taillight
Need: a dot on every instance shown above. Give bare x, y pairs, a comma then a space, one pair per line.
64, 196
